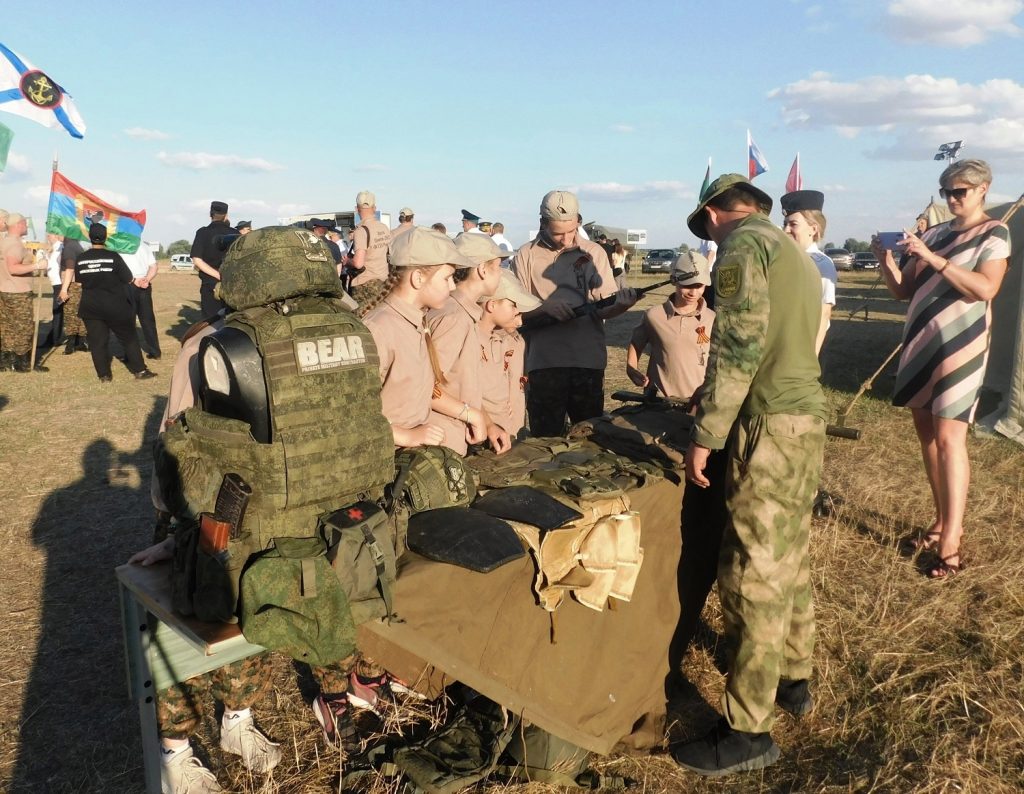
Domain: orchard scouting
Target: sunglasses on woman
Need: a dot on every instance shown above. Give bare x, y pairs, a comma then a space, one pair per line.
957, 193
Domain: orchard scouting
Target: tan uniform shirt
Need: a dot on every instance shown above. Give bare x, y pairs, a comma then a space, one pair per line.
401, 229
13, 247
501, 379
373, 237
407, 380
679, 347
453, 331
576, 275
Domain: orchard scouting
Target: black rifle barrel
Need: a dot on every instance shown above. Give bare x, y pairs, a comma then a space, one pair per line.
544, 320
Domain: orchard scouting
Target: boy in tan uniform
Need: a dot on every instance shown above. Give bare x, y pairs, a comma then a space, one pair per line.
370, 243
678, 332
423, 262
565, 362
503, 353
453, 329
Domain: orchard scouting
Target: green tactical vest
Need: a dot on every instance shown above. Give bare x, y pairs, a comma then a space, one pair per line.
331, 445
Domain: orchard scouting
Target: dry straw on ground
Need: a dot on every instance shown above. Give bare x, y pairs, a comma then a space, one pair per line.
918, 687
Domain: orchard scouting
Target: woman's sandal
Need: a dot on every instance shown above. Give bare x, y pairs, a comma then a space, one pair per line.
926, 541
944, 569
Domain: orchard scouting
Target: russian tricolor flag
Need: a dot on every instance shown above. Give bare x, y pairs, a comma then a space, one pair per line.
756, 164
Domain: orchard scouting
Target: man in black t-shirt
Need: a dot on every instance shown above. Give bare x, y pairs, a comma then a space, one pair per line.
207, 257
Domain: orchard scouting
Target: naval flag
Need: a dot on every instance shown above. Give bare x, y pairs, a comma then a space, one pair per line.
26, 91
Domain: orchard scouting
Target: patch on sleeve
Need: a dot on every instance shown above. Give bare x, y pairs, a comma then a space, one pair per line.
729, 285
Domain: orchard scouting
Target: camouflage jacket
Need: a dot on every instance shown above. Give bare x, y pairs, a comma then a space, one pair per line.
768, 304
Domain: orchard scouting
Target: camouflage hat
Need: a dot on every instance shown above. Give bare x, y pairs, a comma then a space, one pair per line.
509, 288
275, 263
423, 247
697, 221
691, 269
479, 248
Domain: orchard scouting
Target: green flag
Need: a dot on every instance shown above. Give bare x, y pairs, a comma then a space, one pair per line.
707, 181
6, 136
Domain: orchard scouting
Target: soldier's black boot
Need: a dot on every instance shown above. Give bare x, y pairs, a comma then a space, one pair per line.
724, 751
81, 345
70, 344
794, 697
21, 363
6, 361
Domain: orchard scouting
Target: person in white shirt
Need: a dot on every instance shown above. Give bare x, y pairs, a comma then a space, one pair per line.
53, 272
805, 223
143, 266
498, 235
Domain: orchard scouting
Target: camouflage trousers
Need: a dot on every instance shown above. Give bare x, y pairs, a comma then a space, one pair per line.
763, 570
239, 685
73, 325
365, 291
557, 392
333, 678
16, 322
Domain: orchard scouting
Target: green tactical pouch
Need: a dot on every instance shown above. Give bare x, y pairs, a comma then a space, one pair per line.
361, 547
183, 567
291, 601
217, 580
430, 478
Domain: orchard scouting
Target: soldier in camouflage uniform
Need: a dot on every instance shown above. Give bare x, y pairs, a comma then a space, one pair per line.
763, 402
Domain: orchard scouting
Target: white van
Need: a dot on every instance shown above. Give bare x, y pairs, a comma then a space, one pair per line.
181, 262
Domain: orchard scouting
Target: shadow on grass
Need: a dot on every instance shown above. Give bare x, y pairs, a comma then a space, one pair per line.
78, 731
188, 315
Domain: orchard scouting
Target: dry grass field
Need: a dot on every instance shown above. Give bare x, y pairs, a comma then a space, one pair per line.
918, 687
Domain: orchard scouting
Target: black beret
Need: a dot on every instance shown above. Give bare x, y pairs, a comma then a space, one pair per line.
800, 200
469, 216
243, 225
219, 207
97, 233
324, 223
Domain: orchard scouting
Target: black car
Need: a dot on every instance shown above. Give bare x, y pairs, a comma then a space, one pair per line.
865, 260
659, 260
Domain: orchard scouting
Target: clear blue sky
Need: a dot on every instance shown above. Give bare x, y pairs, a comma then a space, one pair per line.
282, 108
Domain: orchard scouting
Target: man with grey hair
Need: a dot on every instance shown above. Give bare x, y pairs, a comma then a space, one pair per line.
17, 326
565, 361
370, 247
3, 223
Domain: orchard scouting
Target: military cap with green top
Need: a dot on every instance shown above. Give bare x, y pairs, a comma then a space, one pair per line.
697, 219
423, 247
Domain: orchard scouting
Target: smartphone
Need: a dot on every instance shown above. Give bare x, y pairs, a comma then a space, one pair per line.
890, 240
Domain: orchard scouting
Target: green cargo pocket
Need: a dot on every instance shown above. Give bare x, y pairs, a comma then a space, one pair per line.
792, 425
216, 595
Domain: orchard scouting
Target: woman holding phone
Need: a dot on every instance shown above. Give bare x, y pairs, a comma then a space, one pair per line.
952, 272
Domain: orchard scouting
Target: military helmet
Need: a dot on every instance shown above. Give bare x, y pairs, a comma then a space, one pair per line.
276, 263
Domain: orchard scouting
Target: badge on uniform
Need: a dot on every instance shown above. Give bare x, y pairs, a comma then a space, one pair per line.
728, 280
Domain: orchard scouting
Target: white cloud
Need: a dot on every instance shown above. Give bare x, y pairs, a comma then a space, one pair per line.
119, 200
646, 191
623, 128
203, 161
38, 193
960, 24
143, 134
235, 205
287, 210
914, 113
18, 168
369, 168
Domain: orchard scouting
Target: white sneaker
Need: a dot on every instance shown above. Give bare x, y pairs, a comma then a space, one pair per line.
185, 774
241, 737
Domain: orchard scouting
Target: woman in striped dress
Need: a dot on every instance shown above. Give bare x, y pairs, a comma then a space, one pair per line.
952, 272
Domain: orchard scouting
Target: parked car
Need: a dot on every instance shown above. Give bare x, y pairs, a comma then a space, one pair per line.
865, 260
658, 260
181, 262
842, 258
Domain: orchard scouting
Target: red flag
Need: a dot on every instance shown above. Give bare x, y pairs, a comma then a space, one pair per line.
794, 181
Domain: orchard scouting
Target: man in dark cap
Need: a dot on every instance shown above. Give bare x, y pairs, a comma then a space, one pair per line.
763, 403
207, 257
320, 227
243, 227
470, 223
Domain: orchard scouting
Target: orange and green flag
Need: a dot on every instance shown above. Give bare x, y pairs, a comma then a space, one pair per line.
73, 209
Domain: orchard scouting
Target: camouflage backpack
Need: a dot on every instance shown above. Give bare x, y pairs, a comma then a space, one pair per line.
289, 402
